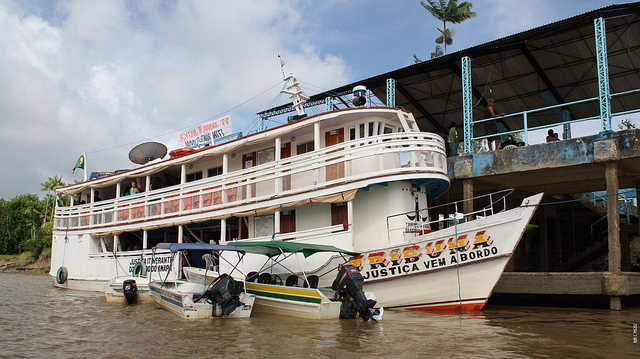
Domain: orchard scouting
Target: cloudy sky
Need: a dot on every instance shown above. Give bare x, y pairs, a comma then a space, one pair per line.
103, 76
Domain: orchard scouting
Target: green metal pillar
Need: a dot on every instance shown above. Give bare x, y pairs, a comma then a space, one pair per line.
262, 124
603, 74
328, 104
391, 93
467, 115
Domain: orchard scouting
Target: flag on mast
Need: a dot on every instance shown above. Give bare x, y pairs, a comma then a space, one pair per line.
80, 163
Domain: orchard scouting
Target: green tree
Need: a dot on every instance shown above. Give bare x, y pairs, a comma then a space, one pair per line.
437, 53
20, 220
448, 11
51, 184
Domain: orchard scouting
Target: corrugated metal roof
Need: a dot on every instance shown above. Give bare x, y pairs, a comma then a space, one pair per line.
550, 64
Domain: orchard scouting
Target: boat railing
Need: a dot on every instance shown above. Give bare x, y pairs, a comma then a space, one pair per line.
445, 215
371, 158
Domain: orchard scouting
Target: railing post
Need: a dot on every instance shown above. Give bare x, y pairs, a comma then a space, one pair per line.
603, 74
391, 93
467, 116
526, 128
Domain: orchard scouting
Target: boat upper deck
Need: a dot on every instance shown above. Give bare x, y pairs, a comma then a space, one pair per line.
324, 158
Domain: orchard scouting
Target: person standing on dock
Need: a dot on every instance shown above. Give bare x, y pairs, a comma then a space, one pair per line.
492, 126
453, 140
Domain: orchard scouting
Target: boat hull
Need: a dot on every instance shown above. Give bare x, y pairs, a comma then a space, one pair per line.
177, 298
114, 293
450, 269
300, 302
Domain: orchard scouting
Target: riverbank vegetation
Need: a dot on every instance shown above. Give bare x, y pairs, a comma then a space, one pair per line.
26, 223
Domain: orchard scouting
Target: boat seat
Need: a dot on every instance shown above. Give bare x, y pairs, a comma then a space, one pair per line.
313, 281
252, 276
264, 278
292, 281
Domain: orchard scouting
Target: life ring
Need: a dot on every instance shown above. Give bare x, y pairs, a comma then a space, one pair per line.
62, 274
140, 269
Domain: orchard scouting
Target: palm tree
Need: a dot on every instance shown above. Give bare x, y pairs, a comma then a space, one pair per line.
49, 186
448, 11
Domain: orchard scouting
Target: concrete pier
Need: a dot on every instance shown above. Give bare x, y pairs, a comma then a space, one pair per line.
567, 171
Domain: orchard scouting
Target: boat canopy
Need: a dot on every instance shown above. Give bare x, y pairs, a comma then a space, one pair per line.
175, 247
275, 248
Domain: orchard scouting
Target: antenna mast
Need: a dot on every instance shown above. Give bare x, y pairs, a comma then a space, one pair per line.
293, 90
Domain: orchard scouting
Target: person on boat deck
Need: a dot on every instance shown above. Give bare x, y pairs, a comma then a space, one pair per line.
96, 196
453, 139
491, 127
552, 136
134, 188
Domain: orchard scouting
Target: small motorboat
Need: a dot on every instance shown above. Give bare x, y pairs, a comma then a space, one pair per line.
223, 297
129, 289
299, 295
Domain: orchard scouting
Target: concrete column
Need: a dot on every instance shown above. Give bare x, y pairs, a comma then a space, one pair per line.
613, 224
467, 194
557, 240
544, 240
572, 232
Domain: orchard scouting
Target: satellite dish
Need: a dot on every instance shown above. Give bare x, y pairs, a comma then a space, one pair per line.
148, 151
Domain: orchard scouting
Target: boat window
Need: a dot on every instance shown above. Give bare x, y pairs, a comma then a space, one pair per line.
264, 225
352, 135
101, 244
266, 155
362, 126
216, 171
387, 129
194, 176
371, 125
304, 148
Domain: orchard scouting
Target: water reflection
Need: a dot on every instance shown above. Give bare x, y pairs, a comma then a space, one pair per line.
38, 320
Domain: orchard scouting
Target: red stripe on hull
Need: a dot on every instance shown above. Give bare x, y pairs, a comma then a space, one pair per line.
452, 307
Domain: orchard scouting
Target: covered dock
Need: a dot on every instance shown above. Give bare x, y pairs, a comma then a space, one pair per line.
584, 68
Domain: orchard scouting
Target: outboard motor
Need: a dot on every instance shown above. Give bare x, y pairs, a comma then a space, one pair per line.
130, 290
224, 292
348, 287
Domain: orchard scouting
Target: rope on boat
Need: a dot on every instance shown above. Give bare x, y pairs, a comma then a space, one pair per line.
455, 221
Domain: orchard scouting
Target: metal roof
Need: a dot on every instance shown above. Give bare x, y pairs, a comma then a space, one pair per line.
544, 66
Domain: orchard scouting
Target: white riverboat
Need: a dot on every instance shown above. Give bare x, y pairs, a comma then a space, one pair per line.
358, 179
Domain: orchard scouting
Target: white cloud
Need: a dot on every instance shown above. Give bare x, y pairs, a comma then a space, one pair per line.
102, 76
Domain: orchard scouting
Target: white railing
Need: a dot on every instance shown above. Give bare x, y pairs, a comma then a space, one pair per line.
524, 126
442, 216
348, 162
